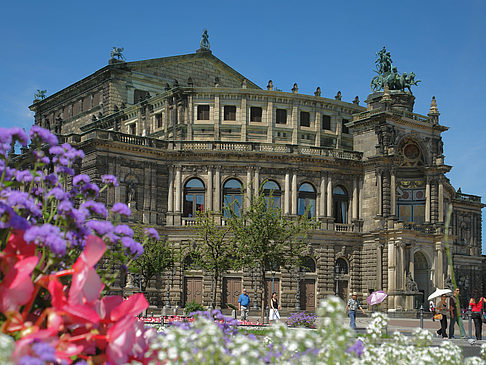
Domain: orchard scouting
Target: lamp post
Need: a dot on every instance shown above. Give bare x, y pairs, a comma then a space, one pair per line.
255, 297
297, 294
167, 300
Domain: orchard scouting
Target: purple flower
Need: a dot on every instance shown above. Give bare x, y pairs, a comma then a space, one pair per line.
357, 348
19, 134
52, 179
65, 206
109, 180
47, 235
41, 135
152, 233
95, 207
44, 351
30, 360
5, 136
10, 219
100, 227
81, 180
57, 193
23, 176
64, 170
40, 156
134, 247
90, 190
121, 209
123, 230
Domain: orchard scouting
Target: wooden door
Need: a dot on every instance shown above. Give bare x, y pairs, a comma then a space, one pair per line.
308, 295
269, 291
192, 290
231, 291
342, 290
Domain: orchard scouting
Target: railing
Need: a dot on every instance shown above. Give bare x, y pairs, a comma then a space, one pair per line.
424, 228
188, 222
468, 197
216, 145
341, 227
409, 115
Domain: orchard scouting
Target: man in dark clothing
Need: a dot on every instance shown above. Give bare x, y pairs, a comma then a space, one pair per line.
455, 307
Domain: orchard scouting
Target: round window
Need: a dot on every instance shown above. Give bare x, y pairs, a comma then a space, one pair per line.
411, 151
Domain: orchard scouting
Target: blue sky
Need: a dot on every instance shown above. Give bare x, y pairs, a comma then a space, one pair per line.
331, 44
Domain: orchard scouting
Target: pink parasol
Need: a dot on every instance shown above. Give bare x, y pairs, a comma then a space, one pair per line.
376, 297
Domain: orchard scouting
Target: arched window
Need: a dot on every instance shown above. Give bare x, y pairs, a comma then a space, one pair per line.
307, 200
308, 264
410, 195
232, 197
341, 267
273, 189
193, 197
340, 199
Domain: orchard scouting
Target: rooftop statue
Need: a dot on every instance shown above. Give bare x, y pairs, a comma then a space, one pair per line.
204, 44
116, 53
40, 94
388, 74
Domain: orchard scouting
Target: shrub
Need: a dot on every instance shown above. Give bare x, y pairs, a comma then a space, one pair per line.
302, 319
192, 307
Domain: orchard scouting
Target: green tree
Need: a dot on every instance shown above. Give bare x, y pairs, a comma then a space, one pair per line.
157, 257
265, 238
213, 252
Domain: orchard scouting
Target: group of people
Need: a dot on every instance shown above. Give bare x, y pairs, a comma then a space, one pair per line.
451, 309
244, 306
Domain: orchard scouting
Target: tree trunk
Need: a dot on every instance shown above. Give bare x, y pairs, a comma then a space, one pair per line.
264, 294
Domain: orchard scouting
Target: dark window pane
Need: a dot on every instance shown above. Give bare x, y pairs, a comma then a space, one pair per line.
158, 119
281, 116
230, 112
304, 119
326, 122
255, 114
203, 112
345, 129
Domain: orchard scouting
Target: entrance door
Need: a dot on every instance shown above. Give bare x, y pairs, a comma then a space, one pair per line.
231, 291
422, 275
308, 295
192, 290
342, 290
269, 290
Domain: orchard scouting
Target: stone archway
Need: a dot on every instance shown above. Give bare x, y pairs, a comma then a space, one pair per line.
422, 275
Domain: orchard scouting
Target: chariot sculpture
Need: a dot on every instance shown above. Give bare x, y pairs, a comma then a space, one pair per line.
388, 75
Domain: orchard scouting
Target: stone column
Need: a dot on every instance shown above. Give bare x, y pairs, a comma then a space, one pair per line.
360, 198
379, 192
295, 124
209, 203
243, 118
427, 201
391, 270
439, 265
248, 188
401, 269
322, 201
294, 194
178, 190
441, 201
393, 203
287, 194
256, 181
170, 198
355, 198
216, 118
217, 193
329, 195
269, 121
190, 119
317, 128
379, 266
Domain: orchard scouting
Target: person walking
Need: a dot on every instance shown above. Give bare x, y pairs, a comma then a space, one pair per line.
442, 309
274, 313
455, 310
244, 305
353, 305
476, 308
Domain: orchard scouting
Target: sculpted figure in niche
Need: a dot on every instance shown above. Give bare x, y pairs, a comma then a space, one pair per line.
410, 284
131, 194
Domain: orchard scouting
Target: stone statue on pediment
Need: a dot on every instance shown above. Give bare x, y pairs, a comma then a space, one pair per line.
117, 53
204, 44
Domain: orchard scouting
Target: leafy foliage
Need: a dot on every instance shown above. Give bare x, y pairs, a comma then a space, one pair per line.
192, 307
157, 257
264, 238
